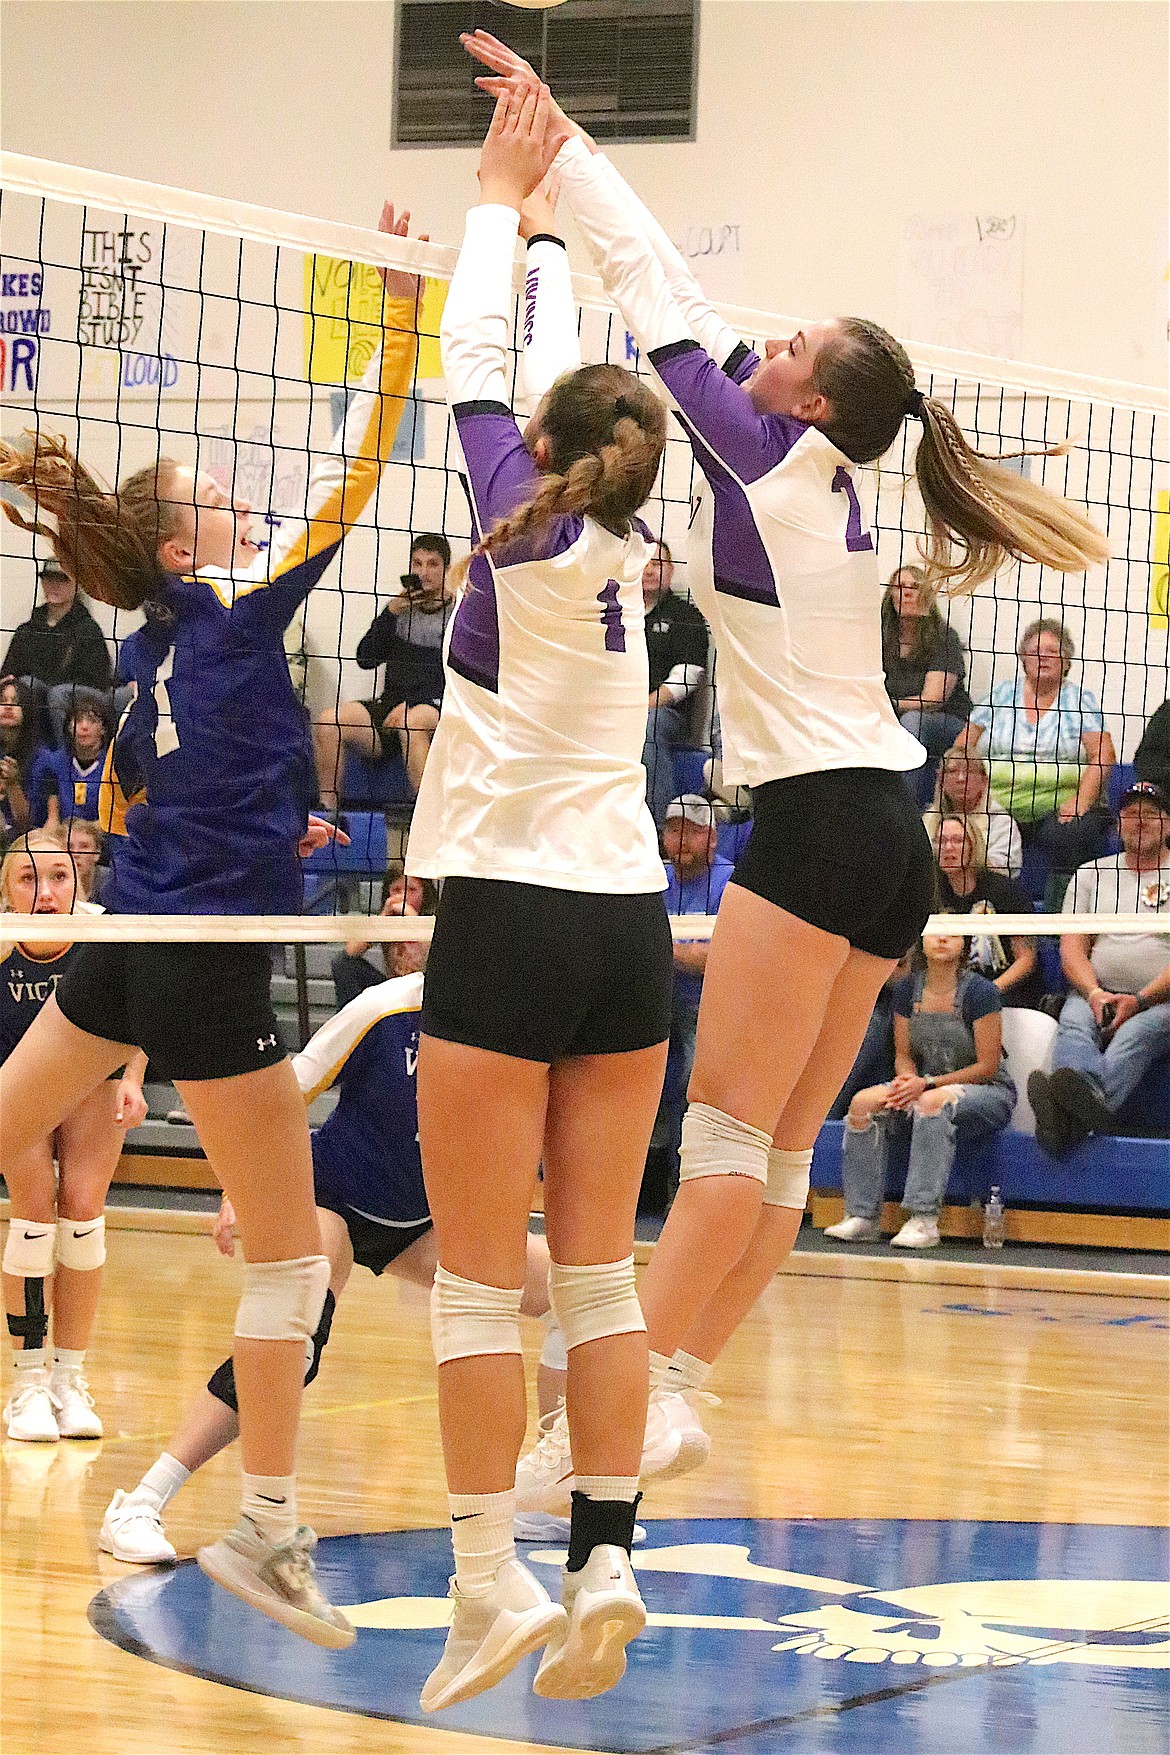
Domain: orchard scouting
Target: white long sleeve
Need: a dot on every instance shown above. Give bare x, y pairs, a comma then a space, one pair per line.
551, 345
473, 335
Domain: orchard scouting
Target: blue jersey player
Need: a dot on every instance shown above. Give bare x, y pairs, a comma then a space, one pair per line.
209, 781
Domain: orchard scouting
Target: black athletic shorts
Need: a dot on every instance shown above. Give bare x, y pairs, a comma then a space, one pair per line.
375, 1246
846, 851
546, 974
200, 1011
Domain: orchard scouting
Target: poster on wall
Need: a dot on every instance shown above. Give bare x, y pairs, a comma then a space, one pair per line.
1160, 576
961, 282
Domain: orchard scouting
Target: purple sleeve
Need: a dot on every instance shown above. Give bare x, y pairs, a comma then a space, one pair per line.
719, 411
502, 476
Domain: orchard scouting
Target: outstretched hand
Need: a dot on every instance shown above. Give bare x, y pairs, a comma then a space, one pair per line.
514, 157
396, 282
510, 69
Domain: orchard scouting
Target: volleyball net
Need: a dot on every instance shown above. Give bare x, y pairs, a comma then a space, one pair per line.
140, 322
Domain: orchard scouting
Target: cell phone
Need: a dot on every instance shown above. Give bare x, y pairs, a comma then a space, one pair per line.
412, 585
1105, 1028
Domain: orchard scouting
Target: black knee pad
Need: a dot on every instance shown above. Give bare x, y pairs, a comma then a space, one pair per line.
222, 1382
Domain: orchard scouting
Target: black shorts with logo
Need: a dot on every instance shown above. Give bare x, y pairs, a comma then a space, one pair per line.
544, 974
200, 1011
846, 851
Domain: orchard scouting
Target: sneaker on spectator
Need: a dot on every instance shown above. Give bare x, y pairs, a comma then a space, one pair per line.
917, 1233
179, 1117
76, 1415
544, 1478
606, 1611
132, 1531
1057, 1131
1077, 1097
852, 1229
490, 1633
279, 1579
32, 1408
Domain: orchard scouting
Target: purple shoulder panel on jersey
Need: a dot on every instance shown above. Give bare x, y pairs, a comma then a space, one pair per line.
720, 411
643, 529
474, 650
740, 363
502, 477
739, 558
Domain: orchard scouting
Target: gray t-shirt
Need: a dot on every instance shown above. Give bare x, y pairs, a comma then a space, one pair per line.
1124, 963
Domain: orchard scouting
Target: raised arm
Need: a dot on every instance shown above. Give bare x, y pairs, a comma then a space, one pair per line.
551, 345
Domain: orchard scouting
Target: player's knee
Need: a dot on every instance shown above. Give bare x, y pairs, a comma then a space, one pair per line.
717, 1144
30, 1249
283, 1300
222, 1382
81, 1243
469, 1319
788, 1178
594, 1301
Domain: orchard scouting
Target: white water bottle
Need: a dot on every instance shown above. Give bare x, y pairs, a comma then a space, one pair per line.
993, 1221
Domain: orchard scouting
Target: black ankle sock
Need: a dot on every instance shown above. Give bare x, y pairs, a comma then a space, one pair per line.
600, 1523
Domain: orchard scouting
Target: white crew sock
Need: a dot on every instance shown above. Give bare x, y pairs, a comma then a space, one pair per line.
162, 1481
608, 1487
68, 1359
481, 1535
30, 1359
659, 1371
687, 1372
271, 1502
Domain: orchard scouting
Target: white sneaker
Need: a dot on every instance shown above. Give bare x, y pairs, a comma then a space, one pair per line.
541, 1526
489, 1635
279, 1579
855, 1230
675, 1441
132, 1530
32, 1409
605, 1613
76, 1414
917, 1233
544, 1478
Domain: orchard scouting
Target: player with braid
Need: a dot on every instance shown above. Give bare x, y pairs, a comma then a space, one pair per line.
546, 1011
208, 785
784, 568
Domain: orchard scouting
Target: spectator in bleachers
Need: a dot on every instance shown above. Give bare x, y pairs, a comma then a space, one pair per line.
1115, 1024
875, 1058
962, 789
1049, 752
66, 783
353, 970
20, 747
950, 1084
925, 666
87, 849
676, 643
1151, 759
967, 886
407, 638
60, 650
697, 877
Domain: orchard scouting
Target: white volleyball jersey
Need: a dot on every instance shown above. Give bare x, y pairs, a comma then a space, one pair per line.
535, 773
782, 563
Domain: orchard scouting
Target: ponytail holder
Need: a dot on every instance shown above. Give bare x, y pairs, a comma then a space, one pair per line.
914, 406
623, 409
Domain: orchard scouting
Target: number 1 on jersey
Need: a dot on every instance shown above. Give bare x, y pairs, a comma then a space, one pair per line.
611, 616
857, 537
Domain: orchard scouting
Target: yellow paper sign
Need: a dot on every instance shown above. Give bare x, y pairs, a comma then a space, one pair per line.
1160, 577
343, 307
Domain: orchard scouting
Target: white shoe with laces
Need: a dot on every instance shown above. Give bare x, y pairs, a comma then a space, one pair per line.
917, 1233
606, 1611
32, 1408
489, 1635
132, 1531
675, 1441
279, 1579
855, 1230
544, 1478
76, 1415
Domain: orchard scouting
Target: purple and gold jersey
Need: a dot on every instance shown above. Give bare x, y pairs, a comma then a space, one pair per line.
210, 776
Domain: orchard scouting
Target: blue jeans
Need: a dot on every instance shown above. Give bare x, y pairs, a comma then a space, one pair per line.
664, 732
936, 732
982, 1109
680, 1060
1117, 1070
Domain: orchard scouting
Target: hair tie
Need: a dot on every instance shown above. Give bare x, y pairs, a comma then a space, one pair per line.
915, 405
623, 409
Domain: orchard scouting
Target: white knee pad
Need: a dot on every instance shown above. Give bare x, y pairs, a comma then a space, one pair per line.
469, 1319
788, 1178
554, 1353
594, 1301
282, 1300
715, 1144
81, 1243
30, 1249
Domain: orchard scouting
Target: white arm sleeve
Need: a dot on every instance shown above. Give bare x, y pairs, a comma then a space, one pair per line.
680, 681
551, 343
473, 335
323, 1056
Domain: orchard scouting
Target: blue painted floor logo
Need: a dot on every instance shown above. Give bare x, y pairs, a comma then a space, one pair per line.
910, 1636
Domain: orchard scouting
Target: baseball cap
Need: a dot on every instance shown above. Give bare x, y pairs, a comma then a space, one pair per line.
1148, 789
694, 808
